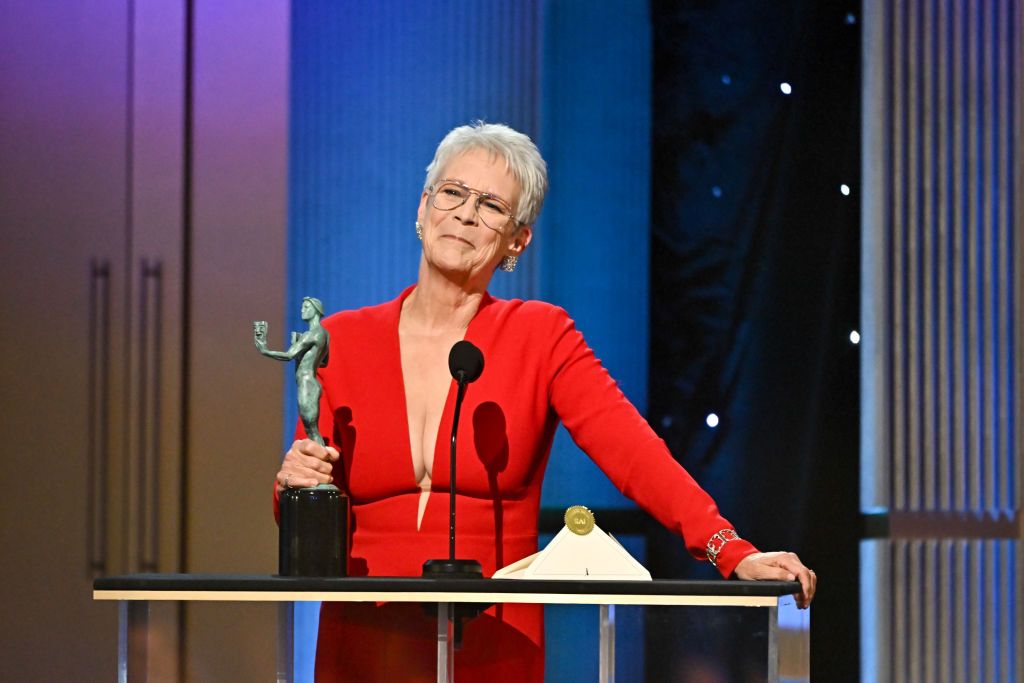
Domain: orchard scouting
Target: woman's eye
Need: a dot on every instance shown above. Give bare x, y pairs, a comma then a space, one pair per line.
452, 191
495, 207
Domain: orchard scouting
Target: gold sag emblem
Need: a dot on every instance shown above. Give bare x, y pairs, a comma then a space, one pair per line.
579, 519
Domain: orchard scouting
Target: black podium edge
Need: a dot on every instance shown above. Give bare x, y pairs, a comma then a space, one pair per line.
262, 582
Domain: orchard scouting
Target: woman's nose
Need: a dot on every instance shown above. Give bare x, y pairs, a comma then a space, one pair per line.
467, 213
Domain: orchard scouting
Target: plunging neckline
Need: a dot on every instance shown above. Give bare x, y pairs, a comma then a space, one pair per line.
446, 411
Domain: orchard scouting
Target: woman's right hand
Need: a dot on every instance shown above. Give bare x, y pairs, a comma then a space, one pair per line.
306, 463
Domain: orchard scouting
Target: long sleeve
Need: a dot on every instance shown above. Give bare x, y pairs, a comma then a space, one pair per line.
613, 433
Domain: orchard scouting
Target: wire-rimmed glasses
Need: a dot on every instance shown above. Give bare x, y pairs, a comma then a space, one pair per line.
494, 211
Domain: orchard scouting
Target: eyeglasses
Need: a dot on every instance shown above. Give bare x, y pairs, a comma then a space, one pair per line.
493, 211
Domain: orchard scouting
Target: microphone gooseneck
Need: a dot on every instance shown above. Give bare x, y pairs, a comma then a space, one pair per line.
466, 363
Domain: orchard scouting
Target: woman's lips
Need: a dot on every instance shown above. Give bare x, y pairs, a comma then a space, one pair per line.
457, 239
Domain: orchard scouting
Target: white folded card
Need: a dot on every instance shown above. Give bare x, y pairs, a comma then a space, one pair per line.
581, 550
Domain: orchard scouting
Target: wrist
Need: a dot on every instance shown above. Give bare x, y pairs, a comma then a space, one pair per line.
716, 544
731, 555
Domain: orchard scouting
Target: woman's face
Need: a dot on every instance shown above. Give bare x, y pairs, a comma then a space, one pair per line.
457, 242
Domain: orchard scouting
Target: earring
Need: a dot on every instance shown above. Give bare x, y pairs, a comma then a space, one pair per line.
508, 264
419, 231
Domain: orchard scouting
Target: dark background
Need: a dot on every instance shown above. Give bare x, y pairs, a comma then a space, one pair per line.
755, 290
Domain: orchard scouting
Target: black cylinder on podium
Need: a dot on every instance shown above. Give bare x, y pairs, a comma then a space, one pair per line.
314, 532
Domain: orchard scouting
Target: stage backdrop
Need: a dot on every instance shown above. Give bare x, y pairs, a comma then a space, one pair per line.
941, 450
374, 88
754, 271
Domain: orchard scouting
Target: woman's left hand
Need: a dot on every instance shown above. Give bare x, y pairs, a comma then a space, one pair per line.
779, 567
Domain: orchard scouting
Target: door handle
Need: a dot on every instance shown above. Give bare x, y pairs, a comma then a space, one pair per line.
98, 448
150, 332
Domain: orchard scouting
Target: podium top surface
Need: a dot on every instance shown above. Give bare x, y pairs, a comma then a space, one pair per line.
266, 588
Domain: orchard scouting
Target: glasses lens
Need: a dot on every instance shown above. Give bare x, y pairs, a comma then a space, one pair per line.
450, 196
494, 212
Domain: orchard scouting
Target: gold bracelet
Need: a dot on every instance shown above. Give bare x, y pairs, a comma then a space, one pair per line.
718, 541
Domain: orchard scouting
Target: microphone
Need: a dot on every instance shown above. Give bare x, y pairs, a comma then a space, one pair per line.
466, 364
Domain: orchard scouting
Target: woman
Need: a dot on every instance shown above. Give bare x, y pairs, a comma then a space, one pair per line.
387, 432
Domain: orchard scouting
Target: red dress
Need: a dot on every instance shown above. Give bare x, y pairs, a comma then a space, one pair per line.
538, 370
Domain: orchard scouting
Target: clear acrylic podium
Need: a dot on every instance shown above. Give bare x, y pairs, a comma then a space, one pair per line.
788, 640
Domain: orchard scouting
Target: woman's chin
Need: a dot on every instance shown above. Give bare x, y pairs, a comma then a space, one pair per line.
455, 269
449, 264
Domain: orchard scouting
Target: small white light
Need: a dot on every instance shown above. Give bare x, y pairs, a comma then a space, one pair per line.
726, 79
716, 191
855, 337
712, 420
845, 189
786, 88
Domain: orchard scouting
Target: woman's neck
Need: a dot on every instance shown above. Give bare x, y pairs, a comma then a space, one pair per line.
438, 304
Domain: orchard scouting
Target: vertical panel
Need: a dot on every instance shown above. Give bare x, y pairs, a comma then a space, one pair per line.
900, 612
960, 603
1015, 182
958, 289
973, 594
943, 201
238, 99
1003, 417
990, 611
876, 599
942, 136
914, 249
986, 103
927, 319
1004, 258
1015, 252
595, 133
875, 429
898, 399
944, 592
916, 600
973, 229
63, 199
931, 617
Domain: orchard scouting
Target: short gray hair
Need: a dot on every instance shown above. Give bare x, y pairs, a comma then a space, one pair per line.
522, 158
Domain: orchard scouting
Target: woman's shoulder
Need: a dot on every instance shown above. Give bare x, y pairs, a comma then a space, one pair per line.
529, 314
364, 318
528, 308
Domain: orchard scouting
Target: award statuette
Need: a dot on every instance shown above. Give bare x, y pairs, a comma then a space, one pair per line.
314, 521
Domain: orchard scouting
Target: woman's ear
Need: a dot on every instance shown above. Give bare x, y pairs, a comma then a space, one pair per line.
421, 212
520, 240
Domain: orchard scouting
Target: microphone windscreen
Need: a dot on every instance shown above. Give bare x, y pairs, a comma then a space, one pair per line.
467, 360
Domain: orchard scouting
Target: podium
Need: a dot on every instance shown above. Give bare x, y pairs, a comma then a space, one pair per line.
788, 639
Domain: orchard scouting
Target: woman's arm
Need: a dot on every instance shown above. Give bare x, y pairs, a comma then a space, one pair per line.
613, 433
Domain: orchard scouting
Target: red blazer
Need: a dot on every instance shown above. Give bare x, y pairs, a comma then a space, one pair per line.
538, 370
